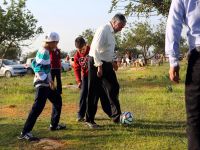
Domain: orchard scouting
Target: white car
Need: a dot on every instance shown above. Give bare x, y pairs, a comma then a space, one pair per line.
8, 68
65, 65
28, 65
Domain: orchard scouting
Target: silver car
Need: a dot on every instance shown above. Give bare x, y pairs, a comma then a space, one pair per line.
8, 68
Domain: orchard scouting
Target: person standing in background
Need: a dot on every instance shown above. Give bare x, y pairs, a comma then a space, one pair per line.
55, 59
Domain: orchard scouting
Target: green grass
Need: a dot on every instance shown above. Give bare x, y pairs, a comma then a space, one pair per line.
159, 115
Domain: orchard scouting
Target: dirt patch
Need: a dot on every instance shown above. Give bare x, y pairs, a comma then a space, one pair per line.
10, 111
19, 111
12, 106
49, 144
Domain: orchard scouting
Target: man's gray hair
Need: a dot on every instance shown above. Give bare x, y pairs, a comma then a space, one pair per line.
119, 17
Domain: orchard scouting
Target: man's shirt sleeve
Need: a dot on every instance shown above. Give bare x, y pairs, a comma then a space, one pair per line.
173, 31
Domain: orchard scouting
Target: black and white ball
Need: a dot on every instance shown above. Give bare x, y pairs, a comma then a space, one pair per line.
126, 118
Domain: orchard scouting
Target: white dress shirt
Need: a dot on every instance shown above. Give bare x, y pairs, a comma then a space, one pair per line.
182, 12
103, 45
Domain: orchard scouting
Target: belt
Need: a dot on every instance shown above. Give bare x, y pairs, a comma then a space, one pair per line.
107, 61
102, 60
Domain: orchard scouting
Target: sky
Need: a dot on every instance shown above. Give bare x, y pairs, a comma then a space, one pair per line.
69, 18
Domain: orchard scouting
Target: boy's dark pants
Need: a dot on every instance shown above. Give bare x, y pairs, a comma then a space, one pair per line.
83, 97
56, 73
192, 95
41, 95
110, 85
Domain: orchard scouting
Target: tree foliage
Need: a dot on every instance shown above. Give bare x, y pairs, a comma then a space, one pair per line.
17, 25
88, 35
12, 53
140, 39
159, 38
141, 7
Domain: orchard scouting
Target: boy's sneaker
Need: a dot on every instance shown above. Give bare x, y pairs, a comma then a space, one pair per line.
27, 136
92, 125
59, 127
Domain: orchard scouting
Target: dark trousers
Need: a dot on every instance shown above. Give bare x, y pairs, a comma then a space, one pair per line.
192, 95
83, 97
110, 85
41, 95
56, 73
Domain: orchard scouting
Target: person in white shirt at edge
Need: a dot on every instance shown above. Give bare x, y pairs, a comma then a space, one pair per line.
186, 12
101, 69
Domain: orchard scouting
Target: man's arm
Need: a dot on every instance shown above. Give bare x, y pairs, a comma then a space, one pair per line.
173, 36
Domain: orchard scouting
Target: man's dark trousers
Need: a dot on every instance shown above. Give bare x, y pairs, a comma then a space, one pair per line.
192, 95
83, 97
110, 85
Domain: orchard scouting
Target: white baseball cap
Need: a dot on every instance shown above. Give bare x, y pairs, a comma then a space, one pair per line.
51, 37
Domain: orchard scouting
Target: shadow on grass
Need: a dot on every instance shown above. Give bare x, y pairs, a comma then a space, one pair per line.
9, 133
153, 128
161, 128
80, 136
2, 118
159, 125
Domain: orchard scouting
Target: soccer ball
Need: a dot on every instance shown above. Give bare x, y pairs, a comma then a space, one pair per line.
126, 118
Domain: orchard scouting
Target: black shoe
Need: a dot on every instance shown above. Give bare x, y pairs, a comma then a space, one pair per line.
59, 127
92, 125
79, 119
27, 136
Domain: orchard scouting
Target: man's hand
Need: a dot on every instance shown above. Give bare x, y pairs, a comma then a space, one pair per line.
79, 85
115, 66
174, 74
99, 72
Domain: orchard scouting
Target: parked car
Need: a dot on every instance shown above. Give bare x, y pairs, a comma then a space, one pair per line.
66, 66
28, 66
8, 68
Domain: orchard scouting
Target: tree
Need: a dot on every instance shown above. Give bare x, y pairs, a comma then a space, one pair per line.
17, 25
12, 53
159, 38
142, 7
140, 39
88, 35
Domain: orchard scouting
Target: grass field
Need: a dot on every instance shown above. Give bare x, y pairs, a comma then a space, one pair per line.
159, 114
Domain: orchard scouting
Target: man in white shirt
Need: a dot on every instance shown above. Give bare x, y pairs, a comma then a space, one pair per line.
101, 69
186, 12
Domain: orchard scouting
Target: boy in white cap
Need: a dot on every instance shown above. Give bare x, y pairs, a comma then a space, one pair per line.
44, 89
